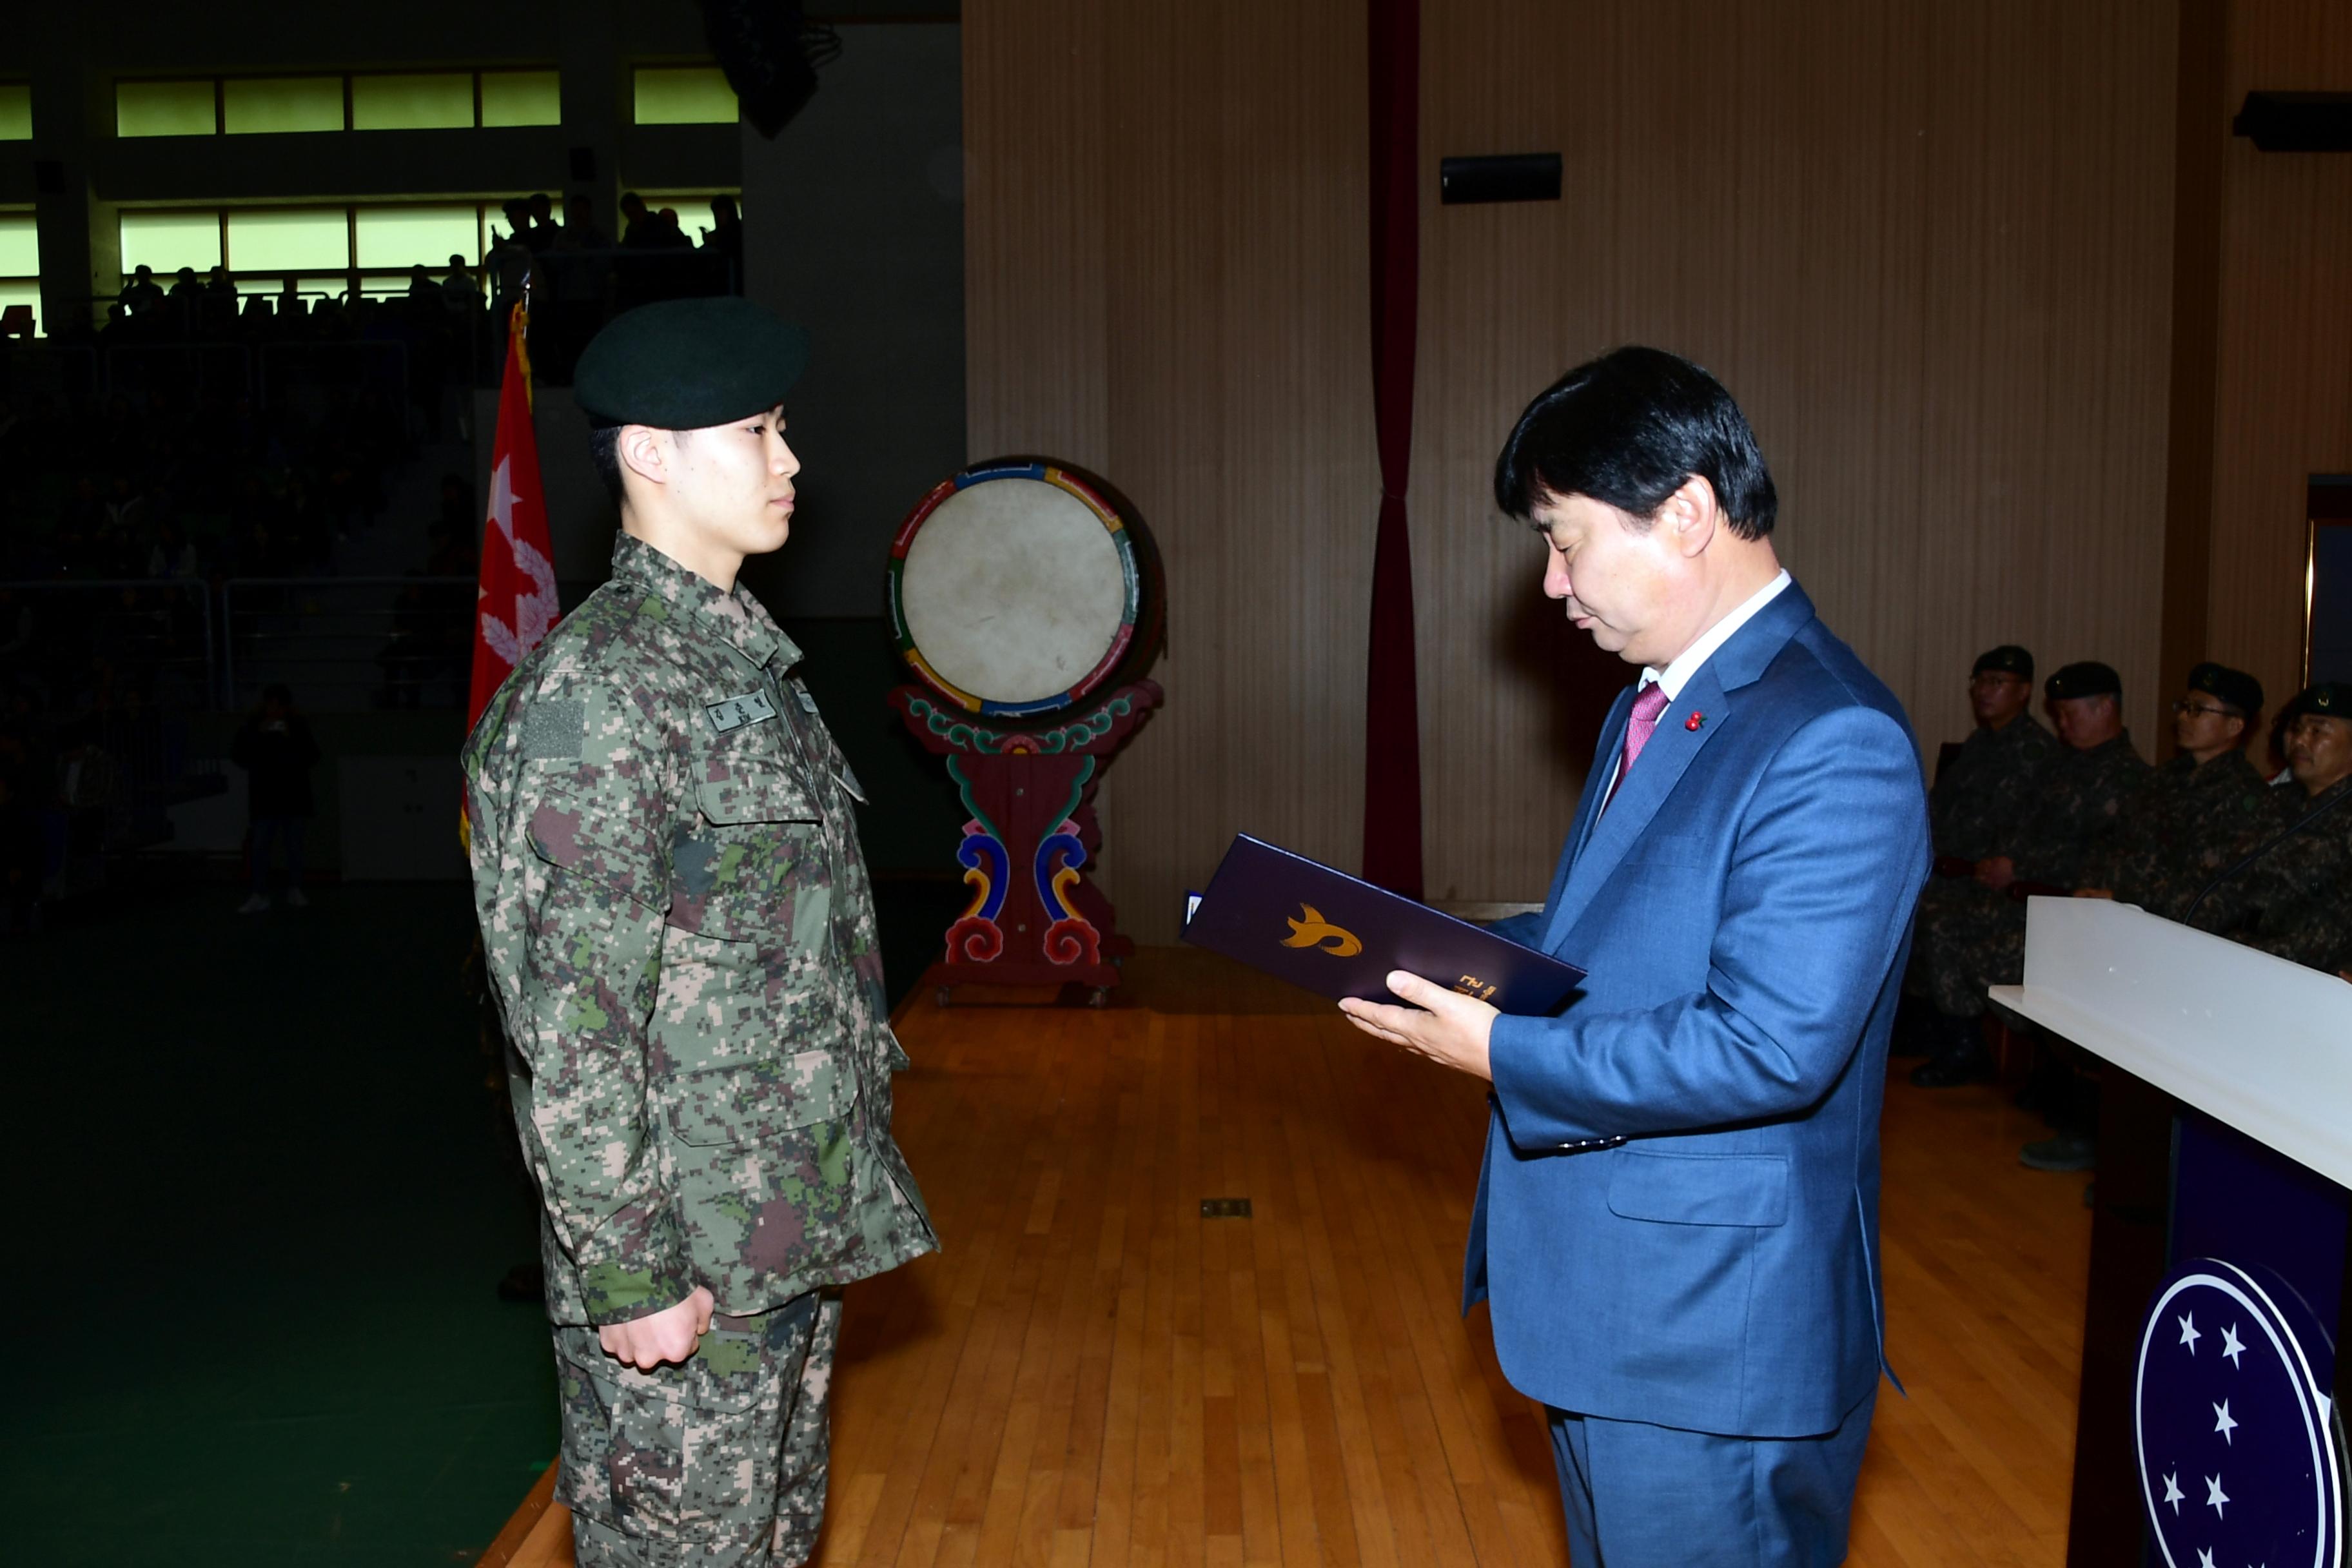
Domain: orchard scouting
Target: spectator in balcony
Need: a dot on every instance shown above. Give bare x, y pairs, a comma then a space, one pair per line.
637, 223
184, 303
256, 322
219, 308
173, 555
459, 295
142, 295
725, 234
670, 234
540, 232
276, 752
293, 313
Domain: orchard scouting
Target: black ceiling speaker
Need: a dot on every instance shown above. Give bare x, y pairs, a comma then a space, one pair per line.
2296, 122
771, 53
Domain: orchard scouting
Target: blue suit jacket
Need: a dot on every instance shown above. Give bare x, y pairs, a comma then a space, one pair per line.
1743, 907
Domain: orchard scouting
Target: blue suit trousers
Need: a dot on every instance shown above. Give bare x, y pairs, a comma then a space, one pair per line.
1639, 1496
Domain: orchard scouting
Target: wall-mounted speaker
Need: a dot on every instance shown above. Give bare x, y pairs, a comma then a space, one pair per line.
1513, 177
2296, 122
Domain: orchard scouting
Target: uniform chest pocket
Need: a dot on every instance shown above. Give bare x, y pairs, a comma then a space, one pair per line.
756, 842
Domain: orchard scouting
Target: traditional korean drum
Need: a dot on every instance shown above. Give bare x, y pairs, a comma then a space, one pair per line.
1020, 588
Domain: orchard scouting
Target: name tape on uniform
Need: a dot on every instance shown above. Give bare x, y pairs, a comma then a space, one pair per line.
734, 712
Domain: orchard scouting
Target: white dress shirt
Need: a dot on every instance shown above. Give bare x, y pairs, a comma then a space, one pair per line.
1686, 664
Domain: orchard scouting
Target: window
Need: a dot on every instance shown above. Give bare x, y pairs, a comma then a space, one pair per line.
365, 100
20, 263
436, 101
522, 97
16, 111
290, 240
259, 105
404, 237
684, 95
168, 241
166, 107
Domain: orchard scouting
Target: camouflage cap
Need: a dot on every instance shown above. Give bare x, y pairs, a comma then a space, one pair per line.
2088, 678
2008, 660
2328, 699
683, 364
2234, 687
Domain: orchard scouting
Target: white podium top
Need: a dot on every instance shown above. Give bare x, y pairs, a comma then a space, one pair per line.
2252, 1040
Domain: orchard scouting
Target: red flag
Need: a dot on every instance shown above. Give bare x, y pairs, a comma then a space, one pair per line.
515, 605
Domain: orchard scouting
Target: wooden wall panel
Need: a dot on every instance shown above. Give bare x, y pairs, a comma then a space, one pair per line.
1925, 245
1166, 225
2284, 395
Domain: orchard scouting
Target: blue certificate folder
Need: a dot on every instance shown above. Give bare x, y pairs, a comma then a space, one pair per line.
1327, 931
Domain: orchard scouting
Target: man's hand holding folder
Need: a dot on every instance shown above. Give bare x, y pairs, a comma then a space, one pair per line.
1446, 1026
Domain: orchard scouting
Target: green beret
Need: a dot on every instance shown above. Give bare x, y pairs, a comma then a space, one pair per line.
2087, 678
683, 364
2008, 660
2234, 687
2328, 699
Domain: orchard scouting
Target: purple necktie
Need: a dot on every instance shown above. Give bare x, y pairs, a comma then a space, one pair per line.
1648, 703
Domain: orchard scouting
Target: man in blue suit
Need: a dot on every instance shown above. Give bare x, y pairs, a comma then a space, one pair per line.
1676, 1226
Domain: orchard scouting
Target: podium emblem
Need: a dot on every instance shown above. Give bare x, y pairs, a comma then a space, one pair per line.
2237, 1463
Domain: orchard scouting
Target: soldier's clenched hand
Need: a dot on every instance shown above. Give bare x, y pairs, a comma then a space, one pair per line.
670, 1334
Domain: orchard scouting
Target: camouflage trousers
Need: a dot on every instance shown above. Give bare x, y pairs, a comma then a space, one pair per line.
1967, 937
719, 1462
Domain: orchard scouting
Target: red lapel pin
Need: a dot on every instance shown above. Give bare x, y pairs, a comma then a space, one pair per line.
1694, 721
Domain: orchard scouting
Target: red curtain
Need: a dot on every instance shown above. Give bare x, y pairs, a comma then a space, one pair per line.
1392, 718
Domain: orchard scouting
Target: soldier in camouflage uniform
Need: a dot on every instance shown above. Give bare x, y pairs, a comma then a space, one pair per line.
1982, 790
2198, 813
2295, 900
1971, 934
680, 936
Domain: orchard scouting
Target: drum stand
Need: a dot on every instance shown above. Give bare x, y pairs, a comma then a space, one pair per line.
1033, 918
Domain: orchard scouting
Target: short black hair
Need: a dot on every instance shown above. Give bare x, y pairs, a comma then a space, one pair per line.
1627, 430
604, 452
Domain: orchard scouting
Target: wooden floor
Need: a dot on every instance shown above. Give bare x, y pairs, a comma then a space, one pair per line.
1091, 1374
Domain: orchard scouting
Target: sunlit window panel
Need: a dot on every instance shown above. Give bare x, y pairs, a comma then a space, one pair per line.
675, 95
20, 246
24, 291
264, 104
163, 109
404, 237
523, 98
16, 111
169, 241
289, 239
438, 100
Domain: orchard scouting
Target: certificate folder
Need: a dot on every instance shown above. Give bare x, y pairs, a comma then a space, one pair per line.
1302, 921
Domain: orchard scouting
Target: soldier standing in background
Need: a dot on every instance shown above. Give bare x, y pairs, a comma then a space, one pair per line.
2296, 900
1975, 935
680, 935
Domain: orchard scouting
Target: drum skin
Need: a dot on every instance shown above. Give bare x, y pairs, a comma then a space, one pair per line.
1019, 587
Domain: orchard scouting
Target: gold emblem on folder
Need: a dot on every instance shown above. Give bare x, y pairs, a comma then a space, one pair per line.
1321, 934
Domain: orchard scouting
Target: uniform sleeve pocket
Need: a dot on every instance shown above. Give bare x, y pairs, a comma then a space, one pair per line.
586, 834
1700, 1189
752, 1105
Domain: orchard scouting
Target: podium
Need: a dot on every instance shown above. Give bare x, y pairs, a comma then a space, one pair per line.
2208, 1427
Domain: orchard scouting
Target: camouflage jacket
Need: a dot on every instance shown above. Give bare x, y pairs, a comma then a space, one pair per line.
1983, 790
680, 936
2295, 902
2075, 805
2183, 826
